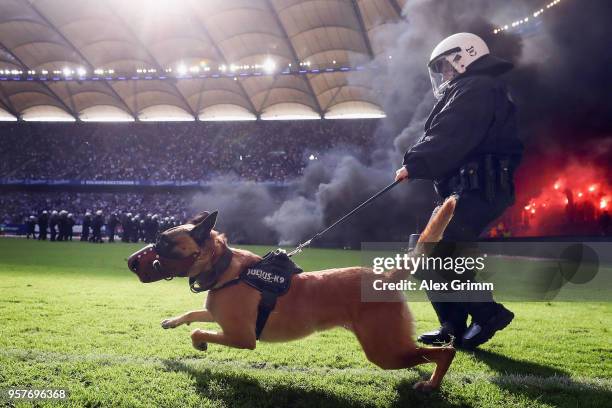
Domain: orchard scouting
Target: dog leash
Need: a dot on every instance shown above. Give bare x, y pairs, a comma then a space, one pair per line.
319, 234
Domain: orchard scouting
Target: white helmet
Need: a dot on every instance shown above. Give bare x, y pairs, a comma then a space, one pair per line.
451, 57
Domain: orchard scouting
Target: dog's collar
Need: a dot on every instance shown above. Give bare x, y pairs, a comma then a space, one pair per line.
208, 279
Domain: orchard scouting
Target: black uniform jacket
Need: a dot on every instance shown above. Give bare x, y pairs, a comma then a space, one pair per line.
476, 116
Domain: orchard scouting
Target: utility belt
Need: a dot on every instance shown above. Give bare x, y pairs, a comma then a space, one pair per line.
491, 175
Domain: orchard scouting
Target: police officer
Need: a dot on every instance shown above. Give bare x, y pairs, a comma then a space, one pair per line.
86, 227
126, 225
135, 228
149, 234
96, 227
63, 226
43, 223
53, 221
113, 220
166, 224
142, 229
69, 226
31, 227
470, 148
154, 227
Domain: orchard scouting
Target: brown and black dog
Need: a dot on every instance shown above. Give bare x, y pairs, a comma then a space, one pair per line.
315, 301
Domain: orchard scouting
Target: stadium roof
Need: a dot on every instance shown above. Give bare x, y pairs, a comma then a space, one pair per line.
130, 35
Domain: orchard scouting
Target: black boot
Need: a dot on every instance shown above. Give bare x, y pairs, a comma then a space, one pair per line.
483, 329
452, 318
446, 334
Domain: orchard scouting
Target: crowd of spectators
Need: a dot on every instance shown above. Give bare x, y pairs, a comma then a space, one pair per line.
188, 151
276, 151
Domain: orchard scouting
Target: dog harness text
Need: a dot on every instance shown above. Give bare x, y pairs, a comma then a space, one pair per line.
272, 277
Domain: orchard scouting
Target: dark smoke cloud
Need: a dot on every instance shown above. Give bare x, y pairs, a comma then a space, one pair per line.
339, 181
563, 91
297, 217
561, 84
242, 209
573, 74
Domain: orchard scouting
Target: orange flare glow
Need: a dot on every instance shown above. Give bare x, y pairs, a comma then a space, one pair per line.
571, 201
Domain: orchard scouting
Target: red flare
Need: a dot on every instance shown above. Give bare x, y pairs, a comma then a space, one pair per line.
569, 200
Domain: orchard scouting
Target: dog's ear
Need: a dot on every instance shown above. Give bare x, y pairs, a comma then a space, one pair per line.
198, 218
201, 232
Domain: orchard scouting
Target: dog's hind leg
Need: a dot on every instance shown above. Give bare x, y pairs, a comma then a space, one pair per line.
391, 358
384, 331
187, 318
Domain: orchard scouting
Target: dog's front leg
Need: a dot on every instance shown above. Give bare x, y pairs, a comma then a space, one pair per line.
187, 318
243, 340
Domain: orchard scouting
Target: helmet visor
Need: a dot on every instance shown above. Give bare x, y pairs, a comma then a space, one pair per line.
441, 73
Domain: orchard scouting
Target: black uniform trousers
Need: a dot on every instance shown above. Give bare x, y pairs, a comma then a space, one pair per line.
472, 216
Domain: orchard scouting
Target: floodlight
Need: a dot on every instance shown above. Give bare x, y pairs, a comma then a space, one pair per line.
269, 66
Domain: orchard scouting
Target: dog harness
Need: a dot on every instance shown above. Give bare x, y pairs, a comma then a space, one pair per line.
271, 277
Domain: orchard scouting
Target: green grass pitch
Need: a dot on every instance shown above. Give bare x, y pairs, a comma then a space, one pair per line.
73, 316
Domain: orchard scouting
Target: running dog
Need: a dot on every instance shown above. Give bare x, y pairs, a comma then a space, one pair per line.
315, 301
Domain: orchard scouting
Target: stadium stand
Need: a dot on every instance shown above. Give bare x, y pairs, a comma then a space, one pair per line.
257, 151
48, 166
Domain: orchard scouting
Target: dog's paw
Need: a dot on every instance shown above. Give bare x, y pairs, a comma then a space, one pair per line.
169, 323
425, 386
196, 342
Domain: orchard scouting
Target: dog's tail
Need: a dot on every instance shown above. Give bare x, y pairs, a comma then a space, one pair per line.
442, 215
433, 232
